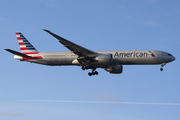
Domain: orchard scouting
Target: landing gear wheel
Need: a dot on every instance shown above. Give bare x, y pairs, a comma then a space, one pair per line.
83, 67
93, 73
96, 72
162, 65
89, 74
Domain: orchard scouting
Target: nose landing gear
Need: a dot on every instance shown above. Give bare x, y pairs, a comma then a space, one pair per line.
162, 65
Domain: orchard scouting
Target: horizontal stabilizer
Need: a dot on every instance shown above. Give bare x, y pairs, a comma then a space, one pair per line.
17, 53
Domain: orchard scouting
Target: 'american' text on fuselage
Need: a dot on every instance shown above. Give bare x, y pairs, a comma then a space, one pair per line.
131, 54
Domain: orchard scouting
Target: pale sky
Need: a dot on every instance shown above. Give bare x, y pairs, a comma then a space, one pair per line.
35, 92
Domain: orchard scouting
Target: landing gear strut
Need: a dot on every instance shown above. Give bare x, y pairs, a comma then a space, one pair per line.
84, 67
162, 65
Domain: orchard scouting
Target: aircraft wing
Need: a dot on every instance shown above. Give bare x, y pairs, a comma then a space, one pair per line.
76, 49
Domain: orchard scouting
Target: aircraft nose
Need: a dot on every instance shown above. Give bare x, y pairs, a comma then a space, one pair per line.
173, 58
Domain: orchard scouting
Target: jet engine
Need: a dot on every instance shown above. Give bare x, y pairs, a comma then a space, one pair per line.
104, 59
115, 69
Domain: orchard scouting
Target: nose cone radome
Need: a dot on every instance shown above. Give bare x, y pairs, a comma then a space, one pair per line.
169, 57
173, 58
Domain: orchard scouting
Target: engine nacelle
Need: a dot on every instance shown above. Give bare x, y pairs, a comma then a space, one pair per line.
118, 69
104, 59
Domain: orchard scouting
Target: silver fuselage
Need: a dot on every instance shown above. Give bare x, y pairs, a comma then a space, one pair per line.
134, 57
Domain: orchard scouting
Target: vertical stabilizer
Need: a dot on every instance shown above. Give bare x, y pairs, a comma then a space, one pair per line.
25, 46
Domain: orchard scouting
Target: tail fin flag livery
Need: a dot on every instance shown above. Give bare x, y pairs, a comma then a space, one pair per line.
111, 61
28, 52
25, 46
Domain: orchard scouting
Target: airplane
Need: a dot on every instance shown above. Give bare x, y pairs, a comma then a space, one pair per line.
111, 61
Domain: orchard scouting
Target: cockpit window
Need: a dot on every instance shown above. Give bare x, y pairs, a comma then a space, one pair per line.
169, 55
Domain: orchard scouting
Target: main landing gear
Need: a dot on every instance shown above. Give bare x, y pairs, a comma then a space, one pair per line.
162, 65
93, 73
90, 73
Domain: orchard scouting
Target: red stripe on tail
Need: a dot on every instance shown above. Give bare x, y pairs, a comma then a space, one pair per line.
21, 43
23, 48
19, 38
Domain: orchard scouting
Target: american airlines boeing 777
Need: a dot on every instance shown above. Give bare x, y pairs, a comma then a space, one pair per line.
111, 61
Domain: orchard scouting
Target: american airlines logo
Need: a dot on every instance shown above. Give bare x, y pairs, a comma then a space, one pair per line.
152, 54
133, 54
